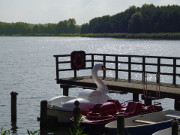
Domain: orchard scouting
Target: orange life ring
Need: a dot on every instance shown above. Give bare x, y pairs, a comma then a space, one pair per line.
78, 60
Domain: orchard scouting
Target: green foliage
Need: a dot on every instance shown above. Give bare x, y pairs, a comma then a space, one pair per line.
33, 133
135, 23
135, 35
8, 132
21, 28
77, 129
5, 132
145, 19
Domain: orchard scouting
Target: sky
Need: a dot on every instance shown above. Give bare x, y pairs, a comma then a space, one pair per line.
53, 11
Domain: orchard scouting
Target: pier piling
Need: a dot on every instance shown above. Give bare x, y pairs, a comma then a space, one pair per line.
175, 124
43, 115
76, 112
13, 107
120, 125
135, 97
65, 90
148, 101
177, 104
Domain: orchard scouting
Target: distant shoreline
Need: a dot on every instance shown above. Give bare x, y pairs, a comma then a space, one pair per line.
174, 36
170, 36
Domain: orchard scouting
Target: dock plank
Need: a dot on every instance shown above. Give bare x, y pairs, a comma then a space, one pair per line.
134, 86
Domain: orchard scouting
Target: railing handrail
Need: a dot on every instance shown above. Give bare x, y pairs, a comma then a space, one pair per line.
158, 64
122, 55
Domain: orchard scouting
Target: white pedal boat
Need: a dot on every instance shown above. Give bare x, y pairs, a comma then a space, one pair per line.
145, 124
61, 107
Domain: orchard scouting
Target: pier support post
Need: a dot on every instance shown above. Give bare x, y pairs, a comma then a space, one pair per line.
13, 107
76, 112
43, 115
135, 97
177, 104
120, 125
65, 90
175, 124
147, 101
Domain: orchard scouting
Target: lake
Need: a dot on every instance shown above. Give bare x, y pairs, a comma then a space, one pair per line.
27, 66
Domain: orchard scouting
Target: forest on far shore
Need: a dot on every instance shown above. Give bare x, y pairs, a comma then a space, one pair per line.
145, 19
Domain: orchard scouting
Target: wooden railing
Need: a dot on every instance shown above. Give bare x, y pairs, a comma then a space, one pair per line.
168, 66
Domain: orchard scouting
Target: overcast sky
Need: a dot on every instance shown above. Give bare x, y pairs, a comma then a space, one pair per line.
53, 11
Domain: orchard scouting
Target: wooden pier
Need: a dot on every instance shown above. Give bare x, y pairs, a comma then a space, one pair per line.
124, 74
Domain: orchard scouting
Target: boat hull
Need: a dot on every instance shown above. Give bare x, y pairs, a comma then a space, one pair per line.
167, 131
145, 124
141, 130
62, 106
96, 128
62, 116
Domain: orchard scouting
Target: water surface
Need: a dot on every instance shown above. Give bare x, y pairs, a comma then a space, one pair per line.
27, 66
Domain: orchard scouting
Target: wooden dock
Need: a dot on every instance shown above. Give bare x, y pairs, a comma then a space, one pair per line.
130, 65
124, 86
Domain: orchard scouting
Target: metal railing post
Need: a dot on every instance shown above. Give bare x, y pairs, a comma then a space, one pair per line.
57, 68
104, 63
129, 68
174, 71
116, 66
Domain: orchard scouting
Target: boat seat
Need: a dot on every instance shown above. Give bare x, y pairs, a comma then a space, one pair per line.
144, 121
118, 105
108, 108
96, 108
133, 108
103, 109
173, 116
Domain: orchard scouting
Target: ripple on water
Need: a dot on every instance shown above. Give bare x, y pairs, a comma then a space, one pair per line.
28, 67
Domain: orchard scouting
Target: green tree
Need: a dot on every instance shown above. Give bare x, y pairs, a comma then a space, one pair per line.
62, 27
147, 13
135, 23
85, 28
35, 29
93, 25
71, 25
51, 28
39, 29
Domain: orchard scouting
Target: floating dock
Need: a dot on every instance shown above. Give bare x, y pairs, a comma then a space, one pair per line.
124, 74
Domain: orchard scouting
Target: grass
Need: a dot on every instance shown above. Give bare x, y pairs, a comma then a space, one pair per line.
78, 130
175, 36
43, 34
5, 132
8, 132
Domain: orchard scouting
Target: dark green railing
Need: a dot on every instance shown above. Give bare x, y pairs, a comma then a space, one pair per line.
158, 63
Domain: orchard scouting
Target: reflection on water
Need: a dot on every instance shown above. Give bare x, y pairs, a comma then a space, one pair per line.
28, 68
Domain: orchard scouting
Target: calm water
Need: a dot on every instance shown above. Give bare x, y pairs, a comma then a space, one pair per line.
27, 66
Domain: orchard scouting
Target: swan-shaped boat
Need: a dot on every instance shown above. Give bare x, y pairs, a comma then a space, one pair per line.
61, 107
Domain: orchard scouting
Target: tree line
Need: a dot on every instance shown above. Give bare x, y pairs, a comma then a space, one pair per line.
145, 19
67, 26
